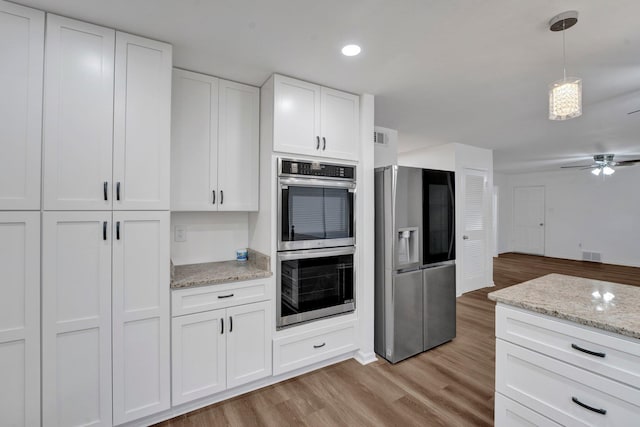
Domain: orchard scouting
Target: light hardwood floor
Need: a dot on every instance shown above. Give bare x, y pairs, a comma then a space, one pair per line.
451, 385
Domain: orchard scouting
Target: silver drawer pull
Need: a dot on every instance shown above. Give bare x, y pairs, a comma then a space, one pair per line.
591, 408
584, 350
321, 345
225, 296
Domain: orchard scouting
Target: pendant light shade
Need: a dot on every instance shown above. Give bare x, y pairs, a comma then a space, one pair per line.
565, 99
565, 95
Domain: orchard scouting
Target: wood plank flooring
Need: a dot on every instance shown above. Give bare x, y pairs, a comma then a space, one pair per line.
451, 385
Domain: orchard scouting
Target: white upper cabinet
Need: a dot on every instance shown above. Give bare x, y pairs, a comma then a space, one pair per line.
76, 319
214, 144
340, 124
142, 123
20, 318
141, 318
238, 148
313, 120
296, 127
194, 141
106, 144
78, 115
22, 53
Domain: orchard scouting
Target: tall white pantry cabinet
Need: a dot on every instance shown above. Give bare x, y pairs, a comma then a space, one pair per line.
96, 134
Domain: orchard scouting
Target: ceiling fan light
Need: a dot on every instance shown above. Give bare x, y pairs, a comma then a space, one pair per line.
595, 171
565, 99
607, 170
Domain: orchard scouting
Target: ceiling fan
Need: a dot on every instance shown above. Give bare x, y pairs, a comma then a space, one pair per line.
604, 163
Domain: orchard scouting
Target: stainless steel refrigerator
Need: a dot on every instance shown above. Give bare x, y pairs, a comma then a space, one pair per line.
415, 276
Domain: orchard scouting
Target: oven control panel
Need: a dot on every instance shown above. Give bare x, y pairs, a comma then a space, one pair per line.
324, 170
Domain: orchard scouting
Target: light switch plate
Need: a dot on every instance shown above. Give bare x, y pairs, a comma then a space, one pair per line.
180, 234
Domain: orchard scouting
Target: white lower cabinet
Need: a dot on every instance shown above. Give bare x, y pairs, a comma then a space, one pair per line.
550, 369
76, 319
141, 320
105, 317
20, 319
220, 349
299, 350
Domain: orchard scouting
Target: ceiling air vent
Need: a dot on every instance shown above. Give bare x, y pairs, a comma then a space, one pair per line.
379, 138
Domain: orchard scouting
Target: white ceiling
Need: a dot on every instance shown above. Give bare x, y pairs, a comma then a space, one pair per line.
474, 72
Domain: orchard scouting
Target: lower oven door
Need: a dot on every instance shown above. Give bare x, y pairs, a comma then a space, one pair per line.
314, 283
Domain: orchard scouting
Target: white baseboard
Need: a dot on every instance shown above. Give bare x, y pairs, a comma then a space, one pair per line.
365, 358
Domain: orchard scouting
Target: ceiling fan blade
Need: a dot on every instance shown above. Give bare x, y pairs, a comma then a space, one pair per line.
580, 166
590, 167
627, 162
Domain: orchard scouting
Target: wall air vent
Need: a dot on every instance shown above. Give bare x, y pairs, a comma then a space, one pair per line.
380, 138
591, 256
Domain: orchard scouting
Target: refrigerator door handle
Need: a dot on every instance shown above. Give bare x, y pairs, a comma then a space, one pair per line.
452, 213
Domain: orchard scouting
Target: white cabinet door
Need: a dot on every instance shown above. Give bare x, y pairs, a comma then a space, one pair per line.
78, 115
340, 127
141, 317
296, 127
238, 149
22, 53
248, 343
194, 142
198, 352
20, 318
142, 123
76, 319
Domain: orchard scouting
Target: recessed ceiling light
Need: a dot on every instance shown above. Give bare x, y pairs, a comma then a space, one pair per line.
351, 50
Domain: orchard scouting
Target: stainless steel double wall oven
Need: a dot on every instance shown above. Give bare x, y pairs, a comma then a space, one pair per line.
316, 240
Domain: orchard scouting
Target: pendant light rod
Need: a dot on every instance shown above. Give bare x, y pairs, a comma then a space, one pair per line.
565, 96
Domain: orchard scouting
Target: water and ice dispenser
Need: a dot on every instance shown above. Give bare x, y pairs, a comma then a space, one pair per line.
407, 244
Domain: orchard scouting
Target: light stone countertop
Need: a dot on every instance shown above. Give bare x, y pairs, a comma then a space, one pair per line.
609, 306
213, 273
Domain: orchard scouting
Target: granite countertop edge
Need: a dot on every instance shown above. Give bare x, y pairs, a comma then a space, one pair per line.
220, 280
526, 296
566, 316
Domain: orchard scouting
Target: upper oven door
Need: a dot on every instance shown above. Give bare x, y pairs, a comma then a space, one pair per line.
315, 213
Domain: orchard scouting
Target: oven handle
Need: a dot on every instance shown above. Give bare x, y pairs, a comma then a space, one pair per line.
316, 253
314, 182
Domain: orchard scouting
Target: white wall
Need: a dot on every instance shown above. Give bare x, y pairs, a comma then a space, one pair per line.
385, 154
440, 157
211, 236
583, 212
505, 213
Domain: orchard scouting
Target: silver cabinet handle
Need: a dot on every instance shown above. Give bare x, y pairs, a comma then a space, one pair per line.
214, 197
230, 323
324, 143
105, 186
118, 191
317, 142
591, 408
320, 346
222, 326
465, 237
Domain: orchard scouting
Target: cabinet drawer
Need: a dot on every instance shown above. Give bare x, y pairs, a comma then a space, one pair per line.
297, 351
512, 414
213, 297
549, 386
555, 338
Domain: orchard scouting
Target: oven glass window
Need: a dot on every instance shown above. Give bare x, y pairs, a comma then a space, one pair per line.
316, 213
316, 283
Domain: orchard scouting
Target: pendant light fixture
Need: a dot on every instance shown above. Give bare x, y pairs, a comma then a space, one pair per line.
565, 95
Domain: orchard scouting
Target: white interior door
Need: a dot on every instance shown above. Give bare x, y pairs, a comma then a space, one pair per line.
142, 123
20, 319
22, 53
141, 317
238, 149
76, 319
528, 220
475, 217
78, 115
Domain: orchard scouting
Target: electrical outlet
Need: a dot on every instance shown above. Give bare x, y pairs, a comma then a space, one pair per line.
180, 233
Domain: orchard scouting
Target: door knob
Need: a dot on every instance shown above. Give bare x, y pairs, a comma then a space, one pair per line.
541, 224
465, 237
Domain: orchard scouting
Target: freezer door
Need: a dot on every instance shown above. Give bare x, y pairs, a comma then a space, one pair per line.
407, 316
439, 305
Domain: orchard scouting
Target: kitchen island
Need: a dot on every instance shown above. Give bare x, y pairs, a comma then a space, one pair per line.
567, 353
